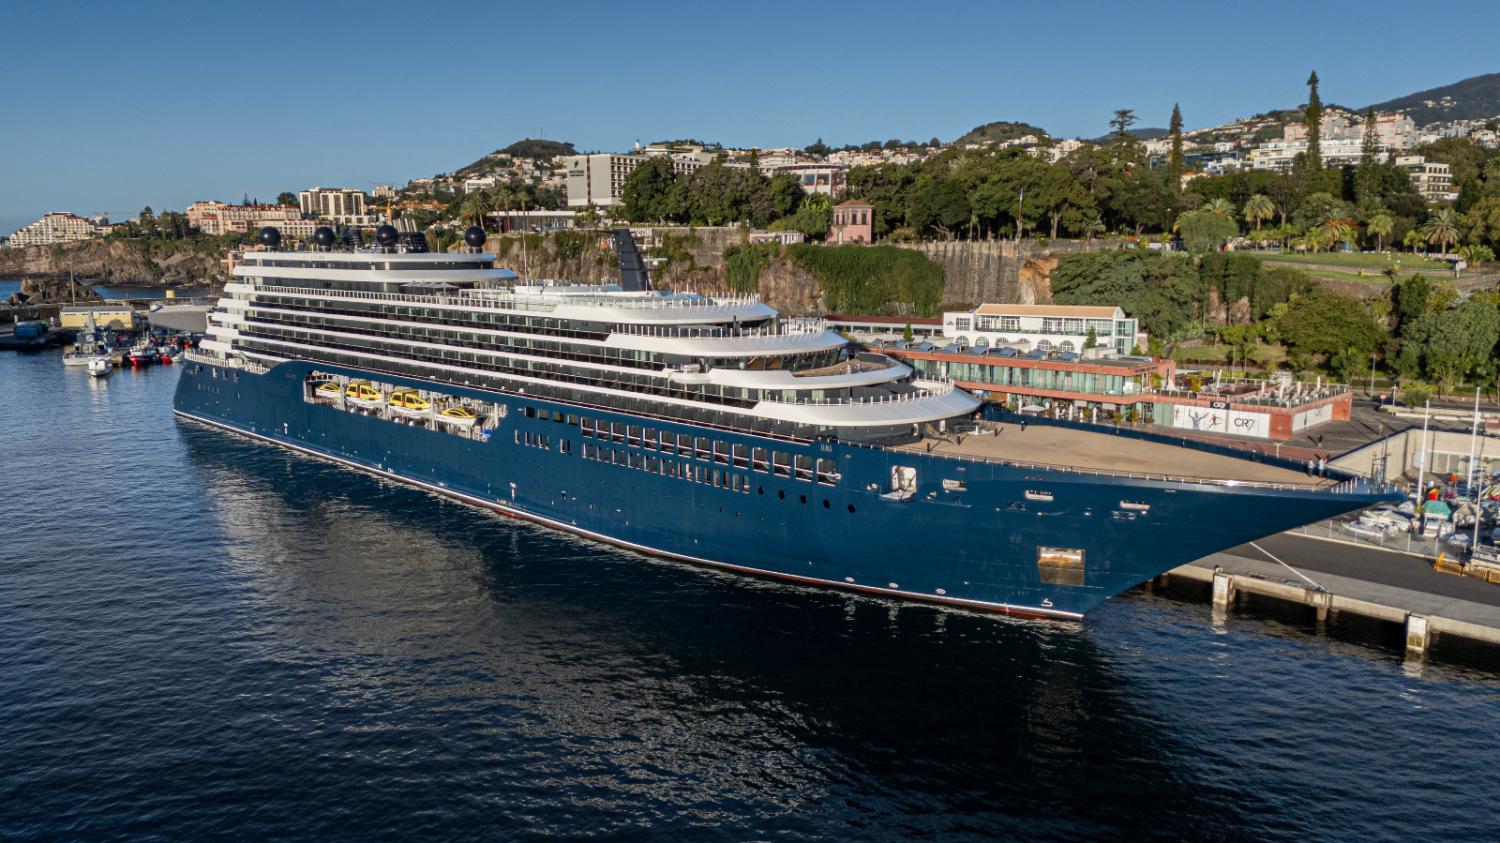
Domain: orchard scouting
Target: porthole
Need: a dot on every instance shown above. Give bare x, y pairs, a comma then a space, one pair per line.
760, 490
851, 509
802, 498
826, 504
781, 493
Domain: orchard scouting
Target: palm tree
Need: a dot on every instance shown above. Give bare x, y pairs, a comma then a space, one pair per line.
1441, 228
1221, 208
1334, 231
1259, 208
1380, 225
1094, 228
476, 206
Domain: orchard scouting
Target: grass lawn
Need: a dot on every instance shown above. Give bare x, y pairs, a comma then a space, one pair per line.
1338, 275
1355, 260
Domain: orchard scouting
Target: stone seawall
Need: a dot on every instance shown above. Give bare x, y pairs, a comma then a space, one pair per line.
1000, 271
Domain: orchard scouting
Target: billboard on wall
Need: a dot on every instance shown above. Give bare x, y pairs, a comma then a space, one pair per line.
1313, 417
1221, 419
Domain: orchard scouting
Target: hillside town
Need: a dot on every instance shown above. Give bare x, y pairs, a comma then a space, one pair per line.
566, 184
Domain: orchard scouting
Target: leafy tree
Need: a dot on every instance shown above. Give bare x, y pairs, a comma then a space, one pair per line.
286, 197
1162, 291
1442, 228
939, 205
650, 193
818, 148
1204, 231
906, 333
1483, 221
1322, 321
1457, 341
1122, 121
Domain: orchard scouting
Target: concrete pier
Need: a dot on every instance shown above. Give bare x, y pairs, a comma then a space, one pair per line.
1366, 581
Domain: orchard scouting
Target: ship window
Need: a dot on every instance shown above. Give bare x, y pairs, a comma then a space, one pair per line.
741, 456
558, 417
718, 479
617, 431
633, 435
572, 419
648, 437
703, 448
781, 464
586, 427
759, 460
721, 452
530, 412
804, 467
828, 472
684, 445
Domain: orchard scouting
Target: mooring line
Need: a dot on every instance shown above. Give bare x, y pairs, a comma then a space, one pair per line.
1314, 583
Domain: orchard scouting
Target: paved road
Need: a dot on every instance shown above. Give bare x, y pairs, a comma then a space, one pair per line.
1312, 555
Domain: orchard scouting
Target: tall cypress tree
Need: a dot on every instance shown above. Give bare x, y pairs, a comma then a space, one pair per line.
1314, 120
1366, 179
1175, 165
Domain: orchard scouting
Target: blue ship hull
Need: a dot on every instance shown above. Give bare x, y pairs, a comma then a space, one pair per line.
973, 541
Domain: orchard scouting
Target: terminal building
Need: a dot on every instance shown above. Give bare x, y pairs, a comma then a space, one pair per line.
1044, 327
1131, 389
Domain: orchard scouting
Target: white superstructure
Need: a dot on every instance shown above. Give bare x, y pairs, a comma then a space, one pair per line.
727, 361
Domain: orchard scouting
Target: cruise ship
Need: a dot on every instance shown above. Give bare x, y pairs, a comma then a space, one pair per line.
708, 429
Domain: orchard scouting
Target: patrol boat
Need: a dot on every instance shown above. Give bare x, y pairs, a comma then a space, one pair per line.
707, 429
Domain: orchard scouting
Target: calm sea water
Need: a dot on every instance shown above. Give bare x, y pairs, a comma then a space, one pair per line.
9, 287
203, 638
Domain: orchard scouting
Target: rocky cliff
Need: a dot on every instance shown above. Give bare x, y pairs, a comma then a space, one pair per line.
116, 262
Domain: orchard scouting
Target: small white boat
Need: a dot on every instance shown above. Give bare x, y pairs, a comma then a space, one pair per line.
100, 366
79, 358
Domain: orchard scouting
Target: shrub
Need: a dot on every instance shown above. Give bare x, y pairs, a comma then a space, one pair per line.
871, 279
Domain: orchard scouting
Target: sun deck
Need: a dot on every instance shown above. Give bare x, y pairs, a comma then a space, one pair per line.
1085, 450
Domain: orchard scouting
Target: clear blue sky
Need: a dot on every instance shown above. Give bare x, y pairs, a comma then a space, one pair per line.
113, 106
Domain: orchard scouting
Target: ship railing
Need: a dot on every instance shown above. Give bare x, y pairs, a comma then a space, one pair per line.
1349, 485
937, 389
719, 332
468, 299
507, 299
226, 362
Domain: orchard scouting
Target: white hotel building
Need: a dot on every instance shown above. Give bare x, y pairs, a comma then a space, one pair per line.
54, 227
1043, 327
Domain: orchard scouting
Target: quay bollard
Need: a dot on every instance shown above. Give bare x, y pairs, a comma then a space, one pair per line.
1223, 588
1417, 638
